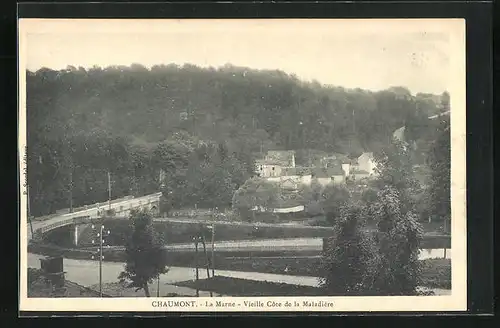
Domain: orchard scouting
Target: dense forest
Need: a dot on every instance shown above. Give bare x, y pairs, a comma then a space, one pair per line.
202, 126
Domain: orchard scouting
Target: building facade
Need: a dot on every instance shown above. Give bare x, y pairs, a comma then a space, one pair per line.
366, 162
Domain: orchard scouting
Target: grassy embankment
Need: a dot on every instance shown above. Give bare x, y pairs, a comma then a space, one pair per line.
244, 287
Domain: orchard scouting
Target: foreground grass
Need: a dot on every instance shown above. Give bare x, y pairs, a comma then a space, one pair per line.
436, 273
243, 287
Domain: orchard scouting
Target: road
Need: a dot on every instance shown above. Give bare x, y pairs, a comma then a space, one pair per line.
86, 273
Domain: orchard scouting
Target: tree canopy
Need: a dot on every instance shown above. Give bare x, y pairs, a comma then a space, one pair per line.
440, 168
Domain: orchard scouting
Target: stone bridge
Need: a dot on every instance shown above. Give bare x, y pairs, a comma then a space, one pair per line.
117, 208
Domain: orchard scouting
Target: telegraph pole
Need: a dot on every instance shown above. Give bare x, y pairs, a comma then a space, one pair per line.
206, 257
71, 190
101, 257
196, 263
158, 287
109, 190
353, 122
100, 261
213, 250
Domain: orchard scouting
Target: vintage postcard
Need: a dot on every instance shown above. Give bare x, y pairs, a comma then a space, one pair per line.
242, 165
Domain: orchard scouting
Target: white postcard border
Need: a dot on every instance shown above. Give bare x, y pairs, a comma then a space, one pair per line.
457, 301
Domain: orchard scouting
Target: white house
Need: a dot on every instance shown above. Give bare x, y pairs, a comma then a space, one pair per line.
274, 162
266, 169
366, 162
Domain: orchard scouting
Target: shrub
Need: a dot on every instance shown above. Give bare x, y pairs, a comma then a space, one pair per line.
395, 269
345, 259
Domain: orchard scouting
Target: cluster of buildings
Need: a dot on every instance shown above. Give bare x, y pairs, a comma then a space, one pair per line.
278, 166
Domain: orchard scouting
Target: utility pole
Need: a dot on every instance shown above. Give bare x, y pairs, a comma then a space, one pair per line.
196, 264
109, 190
101, 257
353, 122
158, 287
100, 261
71, 190
206, 258
213, 250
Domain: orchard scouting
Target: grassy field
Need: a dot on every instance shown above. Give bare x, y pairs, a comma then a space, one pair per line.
243, 287
436, 273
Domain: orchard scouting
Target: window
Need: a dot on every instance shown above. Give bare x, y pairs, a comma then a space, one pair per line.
273, 168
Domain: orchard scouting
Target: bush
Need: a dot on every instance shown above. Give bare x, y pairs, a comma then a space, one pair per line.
332, 200
345, 260
394, 270
436, 273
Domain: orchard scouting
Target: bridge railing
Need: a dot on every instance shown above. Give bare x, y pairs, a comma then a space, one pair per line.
144, 200
75, 220
55, 225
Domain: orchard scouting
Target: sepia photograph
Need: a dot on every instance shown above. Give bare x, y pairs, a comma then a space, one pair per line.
242, 165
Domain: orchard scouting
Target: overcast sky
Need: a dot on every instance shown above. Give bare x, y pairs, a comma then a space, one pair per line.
370, 54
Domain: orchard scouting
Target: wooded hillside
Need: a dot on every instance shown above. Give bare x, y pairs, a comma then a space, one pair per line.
132, 121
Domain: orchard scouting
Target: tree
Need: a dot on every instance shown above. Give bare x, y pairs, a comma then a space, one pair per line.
332, 199
440, 167
395, 269
255, 192
445, 102
144, 252
345, 259
395, 169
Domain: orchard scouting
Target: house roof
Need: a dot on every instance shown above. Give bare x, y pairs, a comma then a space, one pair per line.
369, 155
284, 157
271, 161
327, 172
296, 171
